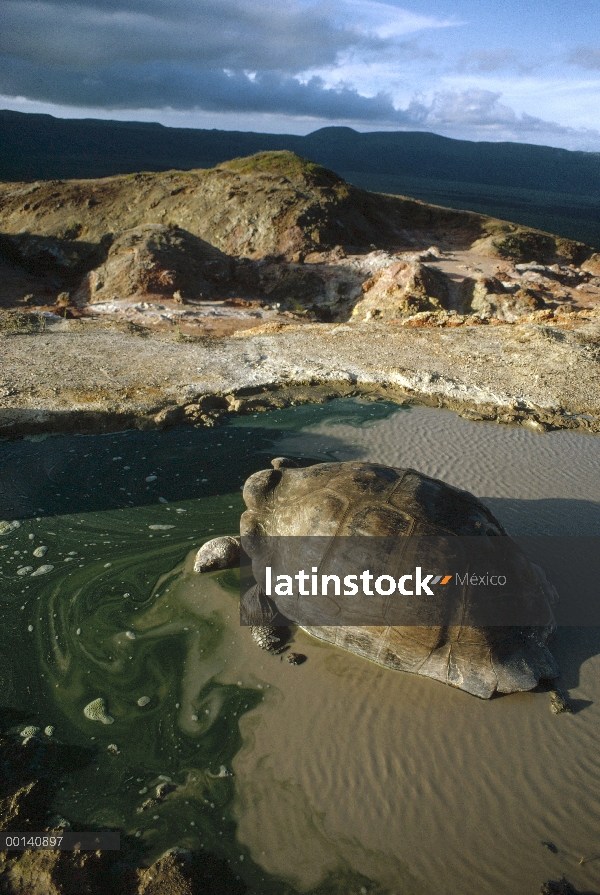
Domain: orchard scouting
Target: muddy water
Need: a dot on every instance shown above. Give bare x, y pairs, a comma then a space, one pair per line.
346, 777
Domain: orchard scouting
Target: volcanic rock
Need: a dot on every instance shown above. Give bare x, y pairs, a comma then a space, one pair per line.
161, 261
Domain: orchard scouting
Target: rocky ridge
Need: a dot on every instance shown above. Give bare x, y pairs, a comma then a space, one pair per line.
278, 234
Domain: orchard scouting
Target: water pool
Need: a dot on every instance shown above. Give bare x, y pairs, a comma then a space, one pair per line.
345, 776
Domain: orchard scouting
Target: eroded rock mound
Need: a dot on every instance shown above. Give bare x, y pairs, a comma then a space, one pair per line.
164, 262
272, 228
402, 289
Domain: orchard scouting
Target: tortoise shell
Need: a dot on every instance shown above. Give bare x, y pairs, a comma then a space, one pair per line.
354, 499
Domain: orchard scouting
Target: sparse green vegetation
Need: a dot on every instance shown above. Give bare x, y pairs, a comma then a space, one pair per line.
19, 323
272, 161
285, 163
526, 245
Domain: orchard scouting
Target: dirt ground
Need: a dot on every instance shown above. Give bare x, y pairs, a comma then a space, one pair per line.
79, 375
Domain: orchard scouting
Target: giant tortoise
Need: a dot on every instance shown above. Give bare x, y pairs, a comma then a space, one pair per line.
337, 503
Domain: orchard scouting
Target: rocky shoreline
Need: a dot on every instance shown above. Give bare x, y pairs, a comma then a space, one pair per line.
81, 377
149, 300
30, 770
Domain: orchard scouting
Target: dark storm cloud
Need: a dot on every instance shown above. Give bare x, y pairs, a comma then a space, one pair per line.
209, 55
230, 55
160, 85
238, 34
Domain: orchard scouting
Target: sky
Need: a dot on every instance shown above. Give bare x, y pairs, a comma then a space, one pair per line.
518, 70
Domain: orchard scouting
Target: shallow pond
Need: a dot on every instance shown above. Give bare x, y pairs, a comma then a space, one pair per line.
344, 776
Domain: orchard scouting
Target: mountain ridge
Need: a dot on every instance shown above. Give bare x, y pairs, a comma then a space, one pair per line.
556, 190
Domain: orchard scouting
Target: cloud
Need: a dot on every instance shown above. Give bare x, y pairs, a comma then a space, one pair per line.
238, 34
179, 87
474, 107
388, 21
488, 61
234, 55
586, 57
479, 114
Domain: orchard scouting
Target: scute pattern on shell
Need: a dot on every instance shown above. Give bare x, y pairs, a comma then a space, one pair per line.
331, 499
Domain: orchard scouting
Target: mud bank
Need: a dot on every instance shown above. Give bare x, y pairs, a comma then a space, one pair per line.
83, 378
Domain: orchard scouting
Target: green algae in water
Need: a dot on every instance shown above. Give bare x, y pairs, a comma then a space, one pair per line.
120, 515
75, 626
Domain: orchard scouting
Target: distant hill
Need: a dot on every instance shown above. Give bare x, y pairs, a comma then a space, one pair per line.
555, 190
